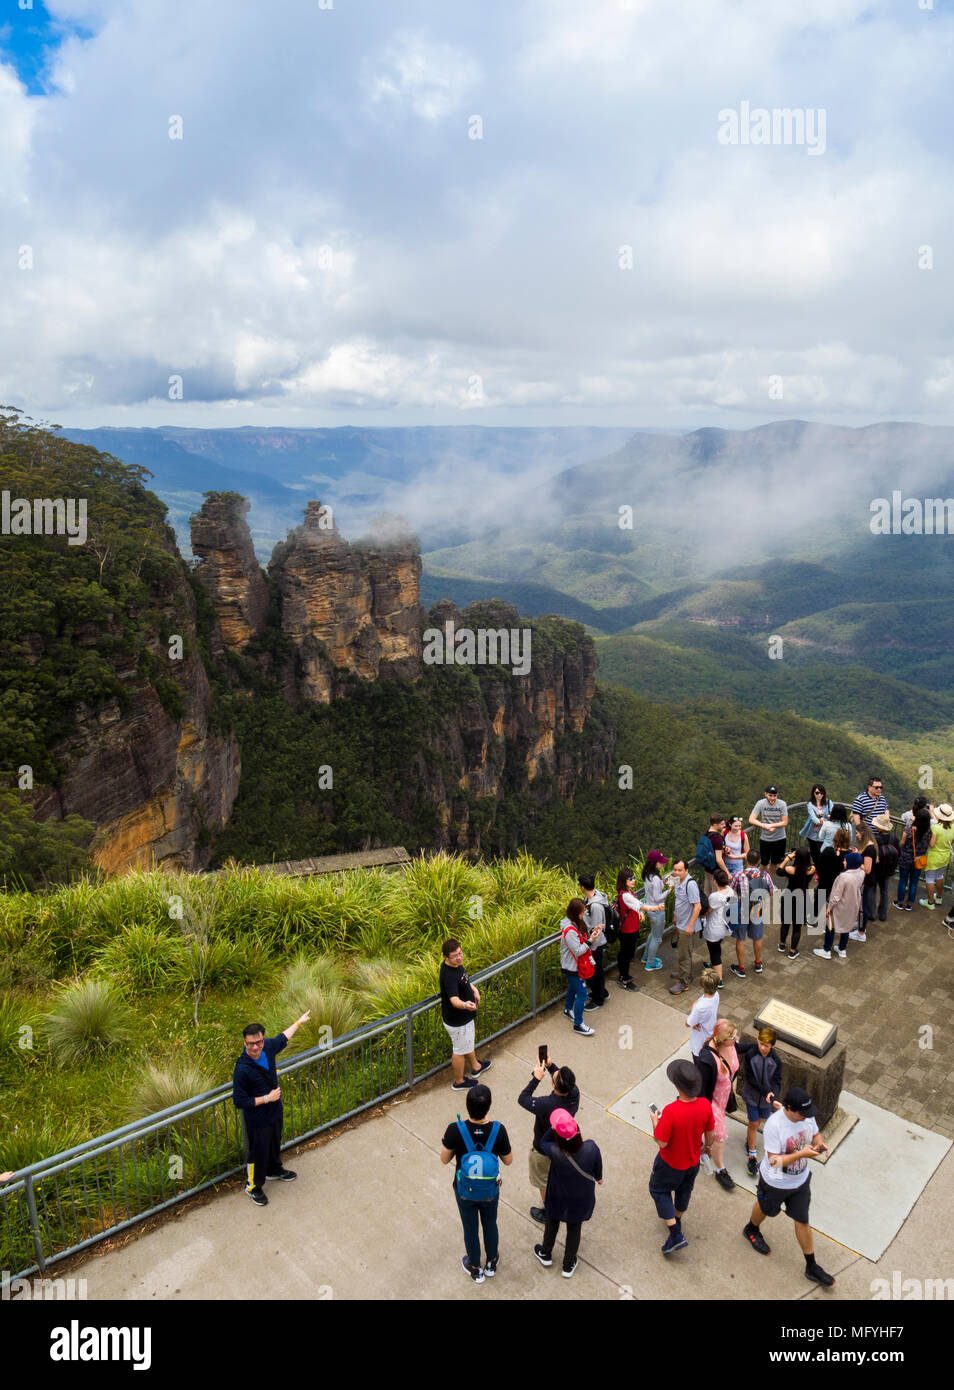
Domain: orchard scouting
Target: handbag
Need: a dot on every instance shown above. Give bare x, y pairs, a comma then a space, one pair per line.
585, 964
920, 860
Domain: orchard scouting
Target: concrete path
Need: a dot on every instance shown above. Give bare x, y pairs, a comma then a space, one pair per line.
372, 1214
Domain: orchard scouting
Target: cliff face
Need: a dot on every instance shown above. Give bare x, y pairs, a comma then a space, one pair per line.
349, 611
155, 785
229, 571
514, 733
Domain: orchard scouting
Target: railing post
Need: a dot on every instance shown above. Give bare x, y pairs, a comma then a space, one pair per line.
34, 1223
409, 1047
533, 979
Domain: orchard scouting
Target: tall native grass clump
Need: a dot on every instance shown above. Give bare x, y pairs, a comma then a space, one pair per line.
430, 900
161, 1086
141, 959
89, 1020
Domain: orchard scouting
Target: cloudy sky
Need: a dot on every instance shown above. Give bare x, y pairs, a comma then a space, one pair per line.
329, 243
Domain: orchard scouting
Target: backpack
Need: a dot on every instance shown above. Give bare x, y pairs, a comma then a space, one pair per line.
479, 1170
703, 903
705, 854
611, 925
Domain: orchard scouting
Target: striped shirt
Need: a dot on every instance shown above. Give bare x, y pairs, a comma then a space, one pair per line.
867, 807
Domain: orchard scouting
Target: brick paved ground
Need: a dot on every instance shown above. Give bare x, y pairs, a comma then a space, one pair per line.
884, 998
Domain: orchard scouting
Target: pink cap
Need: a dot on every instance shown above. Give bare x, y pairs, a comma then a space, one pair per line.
563, 1123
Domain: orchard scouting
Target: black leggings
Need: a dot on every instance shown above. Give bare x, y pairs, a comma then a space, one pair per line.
796, 934
627, 949
573, 1231
715, 952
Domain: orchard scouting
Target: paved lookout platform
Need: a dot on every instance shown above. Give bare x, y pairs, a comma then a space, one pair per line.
372, 1215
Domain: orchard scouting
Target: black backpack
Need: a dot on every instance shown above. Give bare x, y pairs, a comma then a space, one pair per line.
611, 921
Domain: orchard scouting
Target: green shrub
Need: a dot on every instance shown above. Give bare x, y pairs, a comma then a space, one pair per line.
495, 938
90, 1020
430, 900
160, 1087
15, 1014
417, 982
30, 1142
141, 959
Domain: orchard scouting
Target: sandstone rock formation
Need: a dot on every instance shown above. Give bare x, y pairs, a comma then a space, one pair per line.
229, 570
350, 611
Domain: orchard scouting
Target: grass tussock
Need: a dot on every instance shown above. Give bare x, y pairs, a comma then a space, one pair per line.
90, 1020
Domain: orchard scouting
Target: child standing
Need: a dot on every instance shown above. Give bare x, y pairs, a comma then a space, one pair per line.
704, 1012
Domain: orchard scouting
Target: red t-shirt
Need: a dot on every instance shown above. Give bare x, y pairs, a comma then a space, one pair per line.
683, 1123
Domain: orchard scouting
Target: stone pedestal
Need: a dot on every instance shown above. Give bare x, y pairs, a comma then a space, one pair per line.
822, 1077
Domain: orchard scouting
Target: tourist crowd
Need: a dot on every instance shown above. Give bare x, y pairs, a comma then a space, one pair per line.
838, 879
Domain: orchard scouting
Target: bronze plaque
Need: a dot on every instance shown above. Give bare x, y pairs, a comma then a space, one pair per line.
796, 1026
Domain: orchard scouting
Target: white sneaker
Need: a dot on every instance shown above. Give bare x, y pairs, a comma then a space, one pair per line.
842, 955
857, 936
587, 1032
825, 955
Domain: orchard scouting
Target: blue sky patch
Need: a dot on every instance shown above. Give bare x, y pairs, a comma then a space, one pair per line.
28, 40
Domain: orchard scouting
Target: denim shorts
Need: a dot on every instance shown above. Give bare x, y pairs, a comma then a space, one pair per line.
933, 875
758, 1112
754, 930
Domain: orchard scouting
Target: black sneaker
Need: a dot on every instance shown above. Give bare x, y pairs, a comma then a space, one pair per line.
781, 947
724, 1178
588, 1008
757, 967
539, 1214
818, 1275
464, 1085
739, 974
286, 1175
755, 1238
257, 1196
545, 1257
568, 1273
485, 1065
490, 1268
473, 1273
752, 1166
794, 955
567, 1014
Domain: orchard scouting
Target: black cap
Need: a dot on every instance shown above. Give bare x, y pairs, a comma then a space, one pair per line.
795, 1098
772, 789
685, 1076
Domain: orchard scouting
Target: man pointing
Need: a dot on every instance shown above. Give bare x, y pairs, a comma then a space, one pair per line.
256, 1092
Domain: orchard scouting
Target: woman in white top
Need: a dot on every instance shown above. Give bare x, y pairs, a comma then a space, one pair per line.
837, 819
736, 845
715, 928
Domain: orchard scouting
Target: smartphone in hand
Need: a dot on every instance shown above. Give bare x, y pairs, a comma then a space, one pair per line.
543, 1053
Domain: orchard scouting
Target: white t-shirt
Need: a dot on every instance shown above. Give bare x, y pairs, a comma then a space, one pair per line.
781, 1136
702, 1020
716, 925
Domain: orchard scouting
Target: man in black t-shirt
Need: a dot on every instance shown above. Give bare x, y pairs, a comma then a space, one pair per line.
459, 1001
477, 1215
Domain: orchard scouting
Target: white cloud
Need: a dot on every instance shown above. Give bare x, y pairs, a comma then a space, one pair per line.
325, 239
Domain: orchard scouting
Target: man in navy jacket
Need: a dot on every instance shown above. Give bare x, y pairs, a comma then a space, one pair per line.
256, 1092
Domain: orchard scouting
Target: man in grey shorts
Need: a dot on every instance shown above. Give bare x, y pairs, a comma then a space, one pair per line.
565, 1095
770, 816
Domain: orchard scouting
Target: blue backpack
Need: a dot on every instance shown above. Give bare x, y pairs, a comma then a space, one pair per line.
479, 1168
705, 854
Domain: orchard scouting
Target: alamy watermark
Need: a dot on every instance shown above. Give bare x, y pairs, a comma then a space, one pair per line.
912, 1289
911, 516
43, 516
16, 1289
780, 125
483, 646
